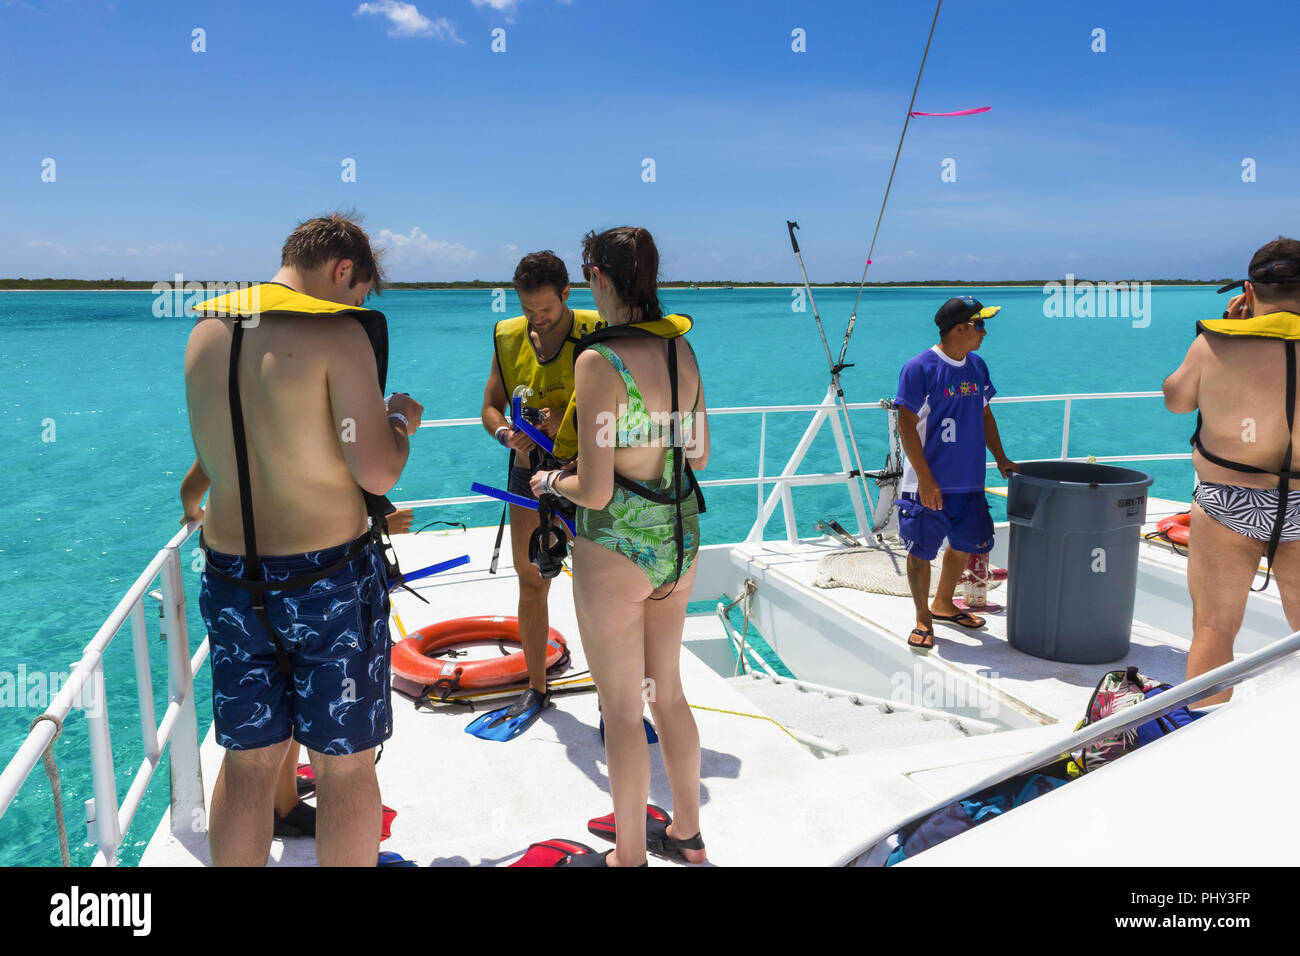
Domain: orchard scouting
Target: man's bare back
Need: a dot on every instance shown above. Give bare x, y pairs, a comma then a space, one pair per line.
300, 379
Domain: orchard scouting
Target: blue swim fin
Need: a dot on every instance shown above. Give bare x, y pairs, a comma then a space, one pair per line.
650, 736
507, 723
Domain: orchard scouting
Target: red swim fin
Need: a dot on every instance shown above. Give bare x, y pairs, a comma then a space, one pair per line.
604, 826
552, 853
306, 780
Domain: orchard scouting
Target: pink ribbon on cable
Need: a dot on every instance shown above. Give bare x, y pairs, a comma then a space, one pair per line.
978, 109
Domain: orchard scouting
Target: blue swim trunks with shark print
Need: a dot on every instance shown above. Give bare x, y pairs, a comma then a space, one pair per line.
337, 701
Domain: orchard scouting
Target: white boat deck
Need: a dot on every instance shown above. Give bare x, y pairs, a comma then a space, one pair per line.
766, 799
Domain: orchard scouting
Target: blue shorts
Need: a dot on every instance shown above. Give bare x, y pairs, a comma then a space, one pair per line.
518, 483
965, 521
335, 633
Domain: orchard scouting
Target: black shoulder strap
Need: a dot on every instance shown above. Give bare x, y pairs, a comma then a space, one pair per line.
632, 331
252, 565
241, 454
1286, 474
677, 450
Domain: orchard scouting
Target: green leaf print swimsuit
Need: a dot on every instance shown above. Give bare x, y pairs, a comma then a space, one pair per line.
636, 527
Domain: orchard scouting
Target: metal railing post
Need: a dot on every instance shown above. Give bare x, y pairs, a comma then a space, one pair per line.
762, 453
855, 485
188, 811
1065, 431
792, 466
107, 834
144, 681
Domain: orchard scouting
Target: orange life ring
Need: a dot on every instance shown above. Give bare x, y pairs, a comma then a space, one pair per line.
1177, 528
410, 658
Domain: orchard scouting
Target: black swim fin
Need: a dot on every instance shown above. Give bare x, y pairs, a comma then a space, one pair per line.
650, 736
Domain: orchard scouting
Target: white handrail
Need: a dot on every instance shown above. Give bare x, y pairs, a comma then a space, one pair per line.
1205, 685
85, 685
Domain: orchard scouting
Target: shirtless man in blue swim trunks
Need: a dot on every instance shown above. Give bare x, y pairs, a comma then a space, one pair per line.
945, 423
311, 432
1246, 507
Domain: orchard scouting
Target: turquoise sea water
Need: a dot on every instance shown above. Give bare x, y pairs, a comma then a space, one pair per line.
81, 515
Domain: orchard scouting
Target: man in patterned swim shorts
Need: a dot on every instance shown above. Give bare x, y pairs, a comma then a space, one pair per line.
293, 371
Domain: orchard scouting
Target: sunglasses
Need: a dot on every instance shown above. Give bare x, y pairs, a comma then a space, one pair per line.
979, 325
586, 269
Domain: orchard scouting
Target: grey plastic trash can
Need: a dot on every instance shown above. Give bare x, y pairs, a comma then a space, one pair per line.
1073, 558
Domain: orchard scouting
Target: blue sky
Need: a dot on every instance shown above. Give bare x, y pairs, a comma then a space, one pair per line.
1109, 165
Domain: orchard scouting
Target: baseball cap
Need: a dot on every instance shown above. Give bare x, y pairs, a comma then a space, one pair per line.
961, 309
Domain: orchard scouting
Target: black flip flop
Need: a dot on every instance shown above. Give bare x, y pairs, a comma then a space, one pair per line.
957, 619
927, 642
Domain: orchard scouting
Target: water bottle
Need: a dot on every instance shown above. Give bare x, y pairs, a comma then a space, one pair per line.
975, 581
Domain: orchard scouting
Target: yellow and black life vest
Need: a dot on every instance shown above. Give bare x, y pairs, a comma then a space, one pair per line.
275, 299
1283, 327
1270, 325
552, 380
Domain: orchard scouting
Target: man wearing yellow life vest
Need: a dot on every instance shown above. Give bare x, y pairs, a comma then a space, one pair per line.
1241, 378
533, 355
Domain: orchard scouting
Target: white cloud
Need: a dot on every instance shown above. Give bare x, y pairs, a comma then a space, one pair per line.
157, 249
57, 248
418, 249
508, 7
408, 21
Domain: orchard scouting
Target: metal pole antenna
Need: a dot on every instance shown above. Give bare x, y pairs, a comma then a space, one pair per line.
836, 368
889, 185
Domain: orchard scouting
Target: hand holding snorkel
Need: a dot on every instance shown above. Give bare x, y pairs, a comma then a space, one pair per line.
528, 427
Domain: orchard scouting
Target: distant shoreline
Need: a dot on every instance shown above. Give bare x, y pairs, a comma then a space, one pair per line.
120, 285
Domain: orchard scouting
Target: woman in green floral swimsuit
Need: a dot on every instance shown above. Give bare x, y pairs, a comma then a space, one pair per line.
642, 530
631, 577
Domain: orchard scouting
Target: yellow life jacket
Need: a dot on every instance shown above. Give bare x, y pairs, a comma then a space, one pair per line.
1270, 325
552, 380
669, 327
269, 299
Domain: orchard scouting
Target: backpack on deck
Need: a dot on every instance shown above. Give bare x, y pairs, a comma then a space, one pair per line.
1116, 691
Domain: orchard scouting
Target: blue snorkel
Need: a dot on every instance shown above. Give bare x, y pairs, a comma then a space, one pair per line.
432, 570
511, 498
520, 423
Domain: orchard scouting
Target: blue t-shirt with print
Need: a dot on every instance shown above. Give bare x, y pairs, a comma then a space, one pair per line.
948, 398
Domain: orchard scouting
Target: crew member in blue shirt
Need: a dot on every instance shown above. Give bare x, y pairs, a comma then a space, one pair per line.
945, 423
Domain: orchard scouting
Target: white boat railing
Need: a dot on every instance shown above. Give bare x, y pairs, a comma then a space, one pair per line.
828, 411
107, 821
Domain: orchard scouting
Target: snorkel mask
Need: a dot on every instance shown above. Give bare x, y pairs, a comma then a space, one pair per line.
547, 547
